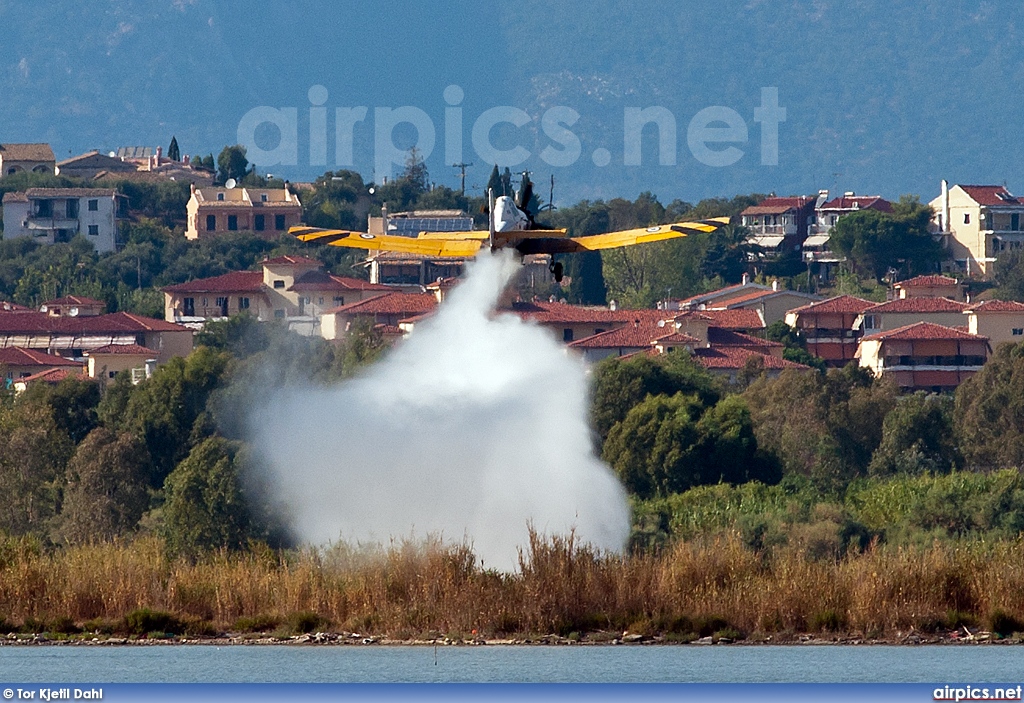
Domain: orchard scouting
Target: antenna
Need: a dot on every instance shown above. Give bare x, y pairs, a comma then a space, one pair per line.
551, 196
462, 175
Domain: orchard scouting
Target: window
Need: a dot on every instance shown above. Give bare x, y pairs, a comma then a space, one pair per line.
263, 197
94, 205
243, 303
279, 314
278, 283
320, 301
967, 218
44, 208
211, 223
1015, 222
220, 196
278, 222
871, 322
94, 230
11, 171
189, 307
111, 374
71, 208
1018, 331
339, 301
232, 222
258, 223
222, 303
567, 334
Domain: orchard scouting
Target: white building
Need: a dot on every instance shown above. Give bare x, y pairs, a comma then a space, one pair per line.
53, 215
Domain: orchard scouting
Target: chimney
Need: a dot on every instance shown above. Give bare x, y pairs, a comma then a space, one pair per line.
775, 285
184, 159
612, 305
849, 194
944, 225
159, 154
746, 279
192, 188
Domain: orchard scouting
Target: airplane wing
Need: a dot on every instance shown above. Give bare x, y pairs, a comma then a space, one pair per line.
624, 238
502, 237
386, 242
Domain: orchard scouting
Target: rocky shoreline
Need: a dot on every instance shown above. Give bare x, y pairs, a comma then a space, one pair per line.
911, 638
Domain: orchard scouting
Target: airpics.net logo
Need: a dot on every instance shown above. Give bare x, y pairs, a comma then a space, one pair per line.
716, 136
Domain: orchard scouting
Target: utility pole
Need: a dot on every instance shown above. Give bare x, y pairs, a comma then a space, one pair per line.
462, 175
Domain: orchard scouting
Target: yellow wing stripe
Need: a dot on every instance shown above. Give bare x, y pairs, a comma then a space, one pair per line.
644, 235
378, 242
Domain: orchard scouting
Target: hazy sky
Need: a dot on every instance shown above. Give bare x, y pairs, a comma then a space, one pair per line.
875, 98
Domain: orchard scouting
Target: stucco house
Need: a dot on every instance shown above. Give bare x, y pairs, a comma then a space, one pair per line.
26, 158
54, 215
829, 327
924, 356
265, 211
977, 223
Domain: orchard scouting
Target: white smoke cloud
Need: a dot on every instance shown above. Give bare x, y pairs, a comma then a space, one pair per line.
474, 428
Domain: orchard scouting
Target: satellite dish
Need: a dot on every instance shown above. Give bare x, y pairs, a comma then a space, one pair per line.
112, 154
230, 183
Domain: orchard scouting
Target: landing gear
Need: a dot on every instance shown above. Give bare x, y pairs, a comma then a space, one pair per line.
557, 271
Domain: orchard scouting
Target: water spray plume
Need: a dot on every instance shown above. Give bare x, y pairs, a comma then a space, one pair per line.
473, 429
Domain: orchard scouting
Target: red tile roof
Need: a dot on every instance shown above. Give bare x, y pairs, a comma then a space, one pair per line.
321, 280
234, 282
638, 335
51, 375
858, 202
14, 197
678, 338
726, 291
126, 349
7, 306
757, 295
837, 305
775, 205
924, 330
736, 358
727, 338
918, 305
540, 311
291, 260
992, 195
112, 323
74, 300
27, 152
997, 306
738, 319
927, 282
17, 356
389, 304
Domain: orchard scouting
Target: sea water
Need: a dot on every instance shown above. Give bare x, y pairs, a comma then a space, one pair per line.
548, 664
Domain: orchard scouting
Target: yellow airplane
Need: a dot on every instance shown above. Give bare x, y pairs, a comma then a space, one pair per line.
511, 225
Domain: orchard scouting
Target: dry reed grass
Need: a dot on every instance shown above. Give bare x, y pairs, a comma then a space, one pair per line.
431, 589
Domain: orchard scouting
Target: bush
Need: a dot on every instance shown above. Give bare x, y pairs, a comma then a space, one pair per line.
144, 621
304, 622
259, 623
1004, 624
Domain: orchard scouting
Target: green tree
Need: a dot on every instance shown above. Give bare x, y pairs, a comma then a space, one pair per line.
106, 488
825, 428
876, 242
173, 153
33, 454
989, 408
162, 410
72, 404
204, 507
232, 163
619, 385
917, 437
669, 444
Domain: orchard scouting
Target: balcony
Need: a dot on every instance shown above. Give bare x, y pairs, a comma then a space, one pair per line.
54, 222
